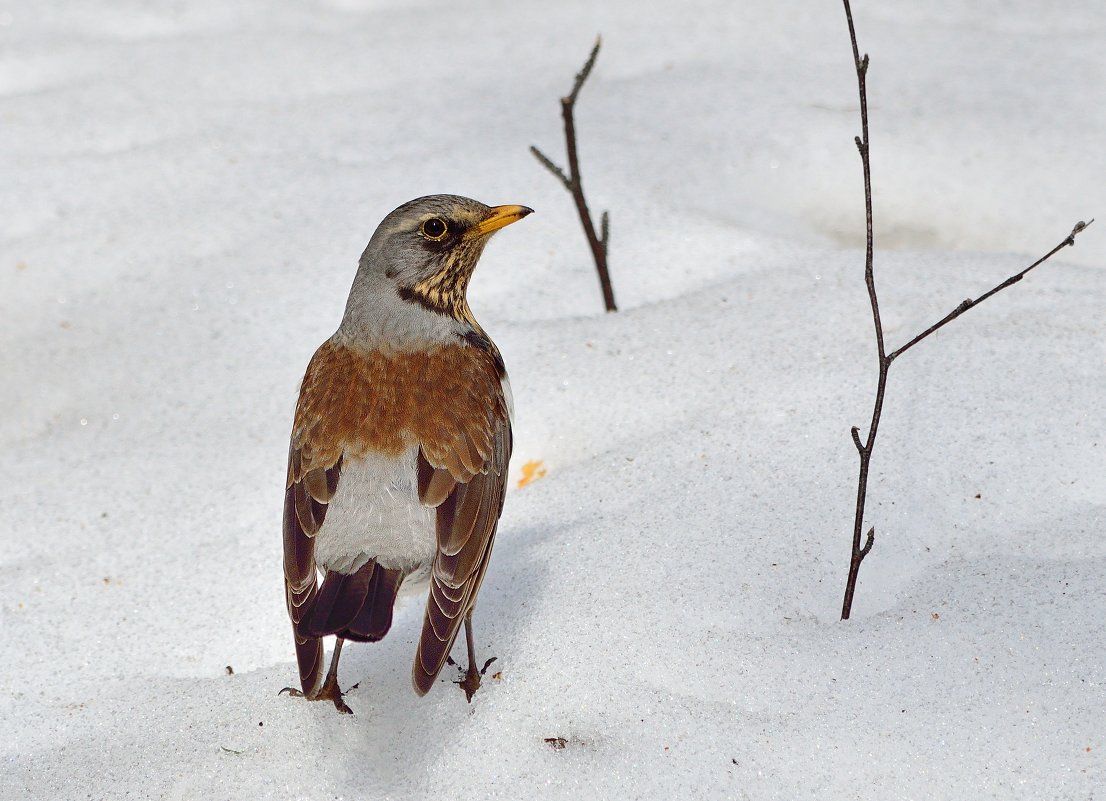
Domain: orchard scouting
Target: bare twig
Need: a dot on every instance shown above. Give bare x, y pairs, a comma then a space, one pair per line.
584, 72
864, 448
572, 182
553, 168
969, 303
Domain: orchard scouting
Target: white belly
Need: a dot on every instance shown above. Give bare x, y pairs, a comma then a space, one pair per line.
376, 514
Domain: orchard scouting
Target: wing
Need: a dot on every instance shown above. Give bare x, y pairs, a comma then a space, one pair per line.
314, 468
339, 416
306, 495
466, 482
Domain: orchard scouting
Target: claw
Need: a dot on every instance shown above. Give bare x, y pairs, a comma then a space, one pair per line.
328, 692
470, 684
470, 680
341, 706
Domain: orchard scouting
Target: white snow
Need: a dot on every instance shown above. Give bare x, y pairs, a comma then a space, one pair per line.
187, 188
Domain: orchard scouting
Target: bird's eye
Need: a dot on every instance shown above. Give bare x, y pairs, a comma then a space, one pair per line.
434, 229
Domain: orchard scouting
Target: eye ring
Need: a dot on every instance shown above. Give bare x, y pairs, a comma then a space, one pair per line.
434, 229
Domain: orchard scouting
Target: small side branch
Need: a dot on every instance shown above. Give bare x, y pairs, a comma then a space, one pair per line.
969, 303
868, 544
553, 168
583, 74
572, 182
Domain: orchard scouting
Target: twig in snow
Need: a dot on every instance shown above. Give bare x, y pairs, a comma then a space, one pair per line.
864, 447
597, 242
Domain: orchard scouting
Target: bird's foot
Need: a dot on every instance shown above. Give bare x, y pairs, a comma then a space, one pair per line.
470, 682
328, 692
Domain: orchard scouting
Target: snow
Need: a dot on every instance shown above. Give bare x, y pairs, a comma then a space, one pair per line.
187, 190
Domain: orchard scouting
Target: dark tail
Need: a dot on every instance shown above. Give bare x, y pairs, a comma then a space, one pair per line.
354, 606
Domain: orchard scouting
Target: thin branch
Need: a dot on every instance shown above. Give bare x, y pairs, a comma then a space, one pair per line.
864, 448
584, 72
969, 303
856, 439
868, 545
574, 184
553, 168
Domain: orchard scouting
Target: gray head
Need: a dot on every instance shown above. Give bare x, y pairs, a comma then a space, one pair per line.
411, 282
426, 250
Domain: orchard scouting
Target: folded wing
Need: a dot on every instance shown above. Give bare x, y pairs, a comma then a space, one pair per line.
466, 483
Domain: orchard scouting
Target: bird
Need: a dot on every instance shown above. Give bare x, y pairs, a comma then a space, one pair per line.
398, 456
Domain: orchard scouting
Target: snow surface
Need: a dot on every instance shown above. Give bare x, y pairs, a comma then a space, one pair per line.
187, 188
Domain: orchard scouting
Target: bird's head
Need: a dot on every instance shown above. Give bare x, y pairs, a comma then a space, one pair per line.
426, 250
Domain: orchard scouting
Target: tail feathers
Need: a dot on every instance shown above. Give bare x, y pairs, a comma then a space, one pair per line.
337, 603
354, 606
375, 616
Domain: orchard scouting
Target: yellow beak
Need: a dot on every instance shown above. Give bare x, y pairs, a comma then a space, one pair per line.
497, 218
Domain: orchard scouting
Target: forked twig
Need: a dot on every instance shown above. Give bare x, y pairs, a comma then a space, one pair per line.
597, 242
864, 447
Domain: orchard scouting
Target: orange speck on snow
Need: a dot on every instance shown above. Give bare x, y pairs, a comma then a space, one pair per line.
531, 471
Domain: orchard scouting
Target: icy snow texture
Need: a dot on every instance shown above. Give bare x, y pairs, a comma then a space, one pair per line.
187, 188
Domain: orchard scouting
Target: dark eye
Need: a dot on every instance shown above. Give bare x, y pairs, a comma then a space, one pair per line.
434, 229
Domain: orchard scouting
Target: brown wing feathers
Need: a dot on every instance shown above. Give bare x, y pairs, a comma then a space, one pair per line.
435, 484
466, 524
303, 514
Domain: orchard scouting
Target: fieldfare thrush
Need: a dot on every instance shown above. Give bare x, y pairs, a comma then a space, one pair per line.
398, 458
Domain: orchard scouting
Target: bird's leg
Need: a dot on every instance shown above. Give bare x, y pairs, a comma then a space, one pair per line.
329, 691
330, 688
471, 682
